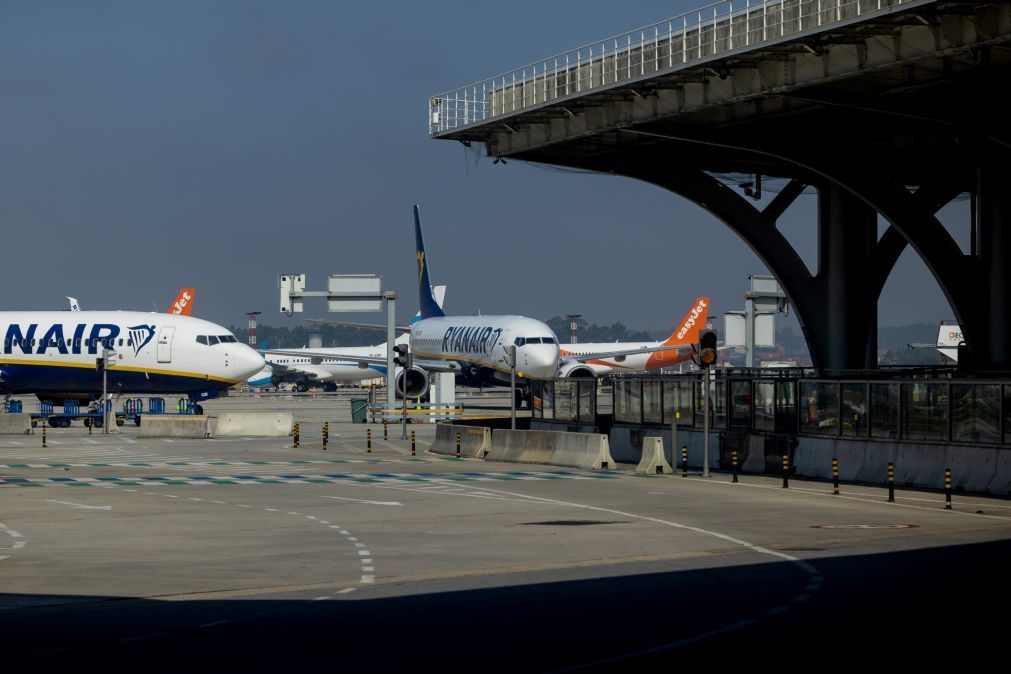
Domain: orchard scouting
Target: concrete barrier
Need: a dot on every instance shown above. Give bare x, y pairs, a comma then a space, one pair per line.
1001, 482
972, 468
174, 426
522, 446
475, 441
653, 461
266, 424
754, 462
589, 451
16, 424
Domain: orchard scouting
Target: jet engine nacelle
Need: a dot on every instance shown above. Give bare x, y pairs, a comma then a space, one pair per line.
413, 381
576, 370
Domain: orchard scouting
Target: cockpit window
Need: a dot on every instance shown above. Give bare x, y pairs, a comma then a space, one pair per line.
227, 339
549, 340
202, 339
520, 341
212, 340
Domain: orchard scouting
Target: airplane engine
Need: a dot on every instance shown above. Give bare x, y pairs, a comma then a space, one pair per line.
414, 381
576, 370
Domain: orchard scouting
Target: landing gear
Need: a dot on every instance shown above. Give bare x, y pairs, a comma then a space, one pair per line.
301, 387
329, 387
198, 410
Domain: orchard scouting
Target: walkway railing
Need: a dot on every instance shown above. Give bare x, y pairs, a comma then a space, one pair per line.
693, 37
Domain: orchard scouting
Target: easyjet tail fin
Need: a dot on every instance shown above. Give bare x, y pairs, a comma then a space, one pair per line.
183, 303
687, 331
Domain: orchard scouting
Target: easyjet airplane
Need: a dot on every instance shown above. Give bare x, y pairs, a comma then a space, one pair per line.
579, 360
182, 305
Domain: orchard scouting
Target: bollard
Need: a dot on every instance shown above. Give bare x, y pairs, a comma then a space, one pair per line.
89, 424
684, 460
294, 433
786, 471
733, 463
947, 488
326, 433
458, 445
386, 430
44, 432
835, 475
413, 452
369, 434
891, 482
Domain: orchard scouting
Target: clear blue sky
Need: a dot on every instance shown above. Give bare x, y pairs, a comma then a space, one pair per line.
146, 146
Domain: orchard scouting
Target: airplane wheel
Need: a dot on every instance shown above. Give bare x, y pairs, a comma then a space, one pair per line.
120, 422
301, 387
137, 420
330, 387
198, 410
97, 422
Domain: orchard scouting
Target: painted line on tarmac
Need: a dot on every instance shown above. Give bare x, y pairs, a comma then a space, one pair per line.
877, 501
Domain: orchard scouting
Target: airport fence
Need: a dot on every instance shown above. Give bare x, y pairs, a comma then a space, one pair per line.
922, 410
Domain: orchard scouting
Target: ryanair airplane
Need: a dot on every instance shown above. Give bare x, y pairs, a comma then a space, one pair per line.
54, 354
474, 347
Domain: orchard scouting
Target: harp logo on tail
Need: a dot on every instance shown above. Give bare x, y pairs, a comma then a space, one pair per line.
140, 336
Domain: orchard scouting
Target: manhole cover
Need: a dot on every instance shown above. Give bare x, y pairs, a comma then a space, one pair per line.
864, 526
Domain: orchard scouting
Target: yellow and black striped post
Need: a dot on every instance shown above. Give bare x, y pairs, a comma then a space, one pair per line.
786, 471
368, 434
947, 488
326, 434
835, 475
891, 482
684, 460
89, 424
386, 429
294, 434
44, 432
413, 451
458, 445
733, 463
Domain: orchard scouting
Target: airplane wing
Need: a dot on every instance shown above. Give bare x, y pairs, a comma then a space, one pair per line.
317, 356
583, 357
310, 371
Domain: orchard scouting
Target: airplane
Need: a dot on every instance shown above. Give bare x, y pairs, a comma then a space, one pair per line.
182, 305
579, 360
306, 365
53, 355
474, 347
948, 338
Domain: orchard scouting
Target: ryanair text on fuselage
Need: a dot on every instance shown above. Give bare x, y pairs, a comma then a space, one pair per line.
66, 340
470, 340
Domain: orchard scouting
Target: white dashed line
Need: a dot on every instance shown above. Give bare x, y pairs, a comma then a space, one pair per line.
347, 590
363, 553
367, 579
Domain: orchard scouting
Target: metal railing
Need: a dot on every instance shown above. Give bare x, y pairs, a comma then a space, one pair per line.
678, 42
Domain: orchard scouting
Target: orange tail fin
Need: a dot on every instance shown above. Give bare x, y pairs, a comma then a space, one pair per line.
687, 331
183, 304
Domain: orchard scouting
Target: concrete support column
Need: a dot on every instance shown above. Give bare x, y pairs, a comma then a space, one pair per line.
846, 320
993, 345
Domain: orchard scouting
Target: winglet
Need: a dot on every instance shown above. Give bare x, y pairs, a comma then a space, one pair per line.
687, 331
426, 300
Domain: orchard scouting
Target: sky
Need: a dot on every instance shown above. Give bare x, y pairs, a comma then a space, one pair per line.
147, 146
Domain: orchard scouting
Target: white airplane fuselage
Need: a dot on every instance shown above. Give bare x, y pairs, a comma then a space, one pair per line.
479, 343
54, 353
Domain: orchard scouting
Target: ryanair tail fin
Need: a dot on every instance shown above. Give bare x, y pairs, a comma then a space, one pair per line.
687, 331
426, 300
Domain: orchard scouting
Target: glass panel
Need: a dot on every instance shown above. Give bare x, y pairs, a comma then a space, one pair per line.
924, 411
564, 407
635, 402
587, 401
854, 409
537, 398
677, 397
885, 411
1007, 414
719, 392
549, 400
819, 407
652, 404
765, 400
627, 403
786, 407
975, 413
741, 402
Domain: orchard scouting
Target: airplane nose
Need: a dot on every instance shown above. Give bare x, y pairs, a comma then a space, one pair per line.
247, 362
542, 362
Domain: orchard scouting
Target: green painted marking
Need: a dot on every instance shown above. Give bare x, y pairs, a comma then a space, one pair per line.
176, 483
58, 465
223, 482
272, 482
177, 463
79, 484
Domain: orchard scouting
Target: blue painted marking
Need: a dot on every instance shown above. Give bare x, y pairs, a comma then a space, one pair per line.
199, 477
110, 479
62, 479
244, 477
339, 476
155, 479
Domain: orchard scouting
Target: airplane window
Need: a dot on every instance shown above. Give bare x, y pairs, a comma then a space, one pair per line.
121, 341
212, 340
77, 342
227, 339
520, 341
129, 342
549, 340
202, 339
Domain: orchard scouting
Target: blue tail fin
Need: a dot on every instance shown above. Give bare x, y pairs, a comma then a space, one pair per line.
426, 301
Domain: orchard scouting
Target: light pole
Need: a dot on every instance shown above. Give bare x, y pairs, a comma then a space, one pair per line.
511, 353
